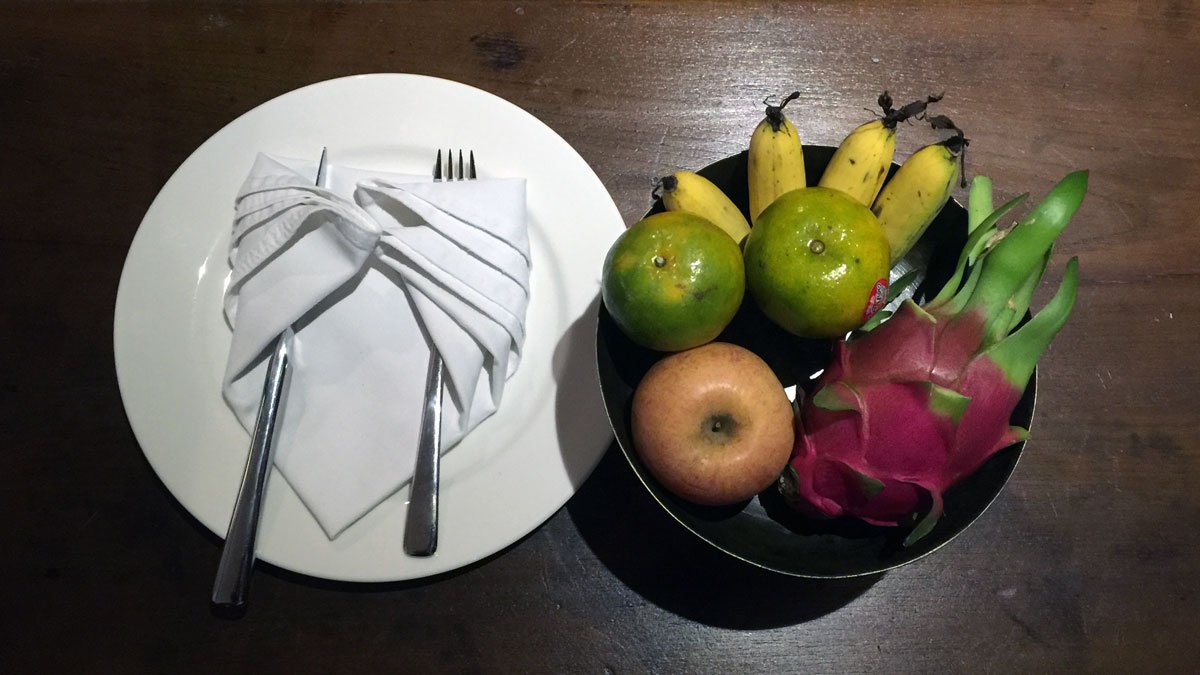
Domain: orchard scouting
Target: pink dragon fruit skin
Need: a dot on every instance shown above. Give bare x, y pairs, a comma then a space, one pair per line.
883, 428
923, 399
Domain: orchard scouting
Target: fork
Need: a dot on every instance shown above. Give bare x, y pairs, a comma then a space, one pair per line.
421, 523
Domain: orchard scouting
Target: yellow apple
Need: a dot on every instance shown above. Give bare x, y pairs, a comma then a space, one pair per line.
713, 424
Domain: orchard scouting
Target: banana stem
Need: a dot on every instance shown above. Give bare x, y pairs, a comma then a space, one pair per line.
957, 143
775, 112
892, 117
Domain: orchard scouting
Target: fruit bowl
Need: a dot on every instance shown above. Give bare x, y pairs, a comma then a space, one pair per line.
764, 531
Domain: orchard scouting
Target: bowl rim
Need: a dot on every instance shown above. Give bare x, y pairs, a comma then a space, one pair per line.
651, 486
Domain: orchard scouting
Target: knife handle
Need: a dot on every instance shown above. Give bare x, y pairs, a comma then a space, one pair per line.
237, 558
421, 523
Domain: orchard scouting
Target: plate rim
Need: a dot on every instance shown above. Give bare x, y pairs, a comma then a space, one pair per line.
124, 311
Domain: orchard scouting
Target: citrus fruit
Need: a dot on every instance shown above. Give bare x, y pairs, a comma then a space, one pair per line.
817, 262
673, 281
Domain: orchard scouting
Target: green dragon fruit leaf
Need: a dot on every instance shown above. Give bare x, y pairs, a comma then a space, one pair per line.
894, 291
1024, 295
958, 301
1018, 434
870, 486
903, 283
836, 396
976, 243
1000, 324
926, 524
917, 310
979, 202
947, 402
1018, 354
954, 283
1008, 264
993, 223
873, 322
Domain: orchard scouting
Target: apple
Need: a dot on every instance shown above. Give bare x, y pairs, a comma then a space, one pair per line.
713, 424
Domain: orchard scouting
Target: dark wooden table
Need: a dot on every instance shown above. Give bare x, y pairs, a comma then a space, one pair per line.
1089, 561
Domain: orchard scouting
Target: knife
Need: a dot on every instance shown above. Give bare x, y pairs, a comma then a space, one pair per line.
237, 558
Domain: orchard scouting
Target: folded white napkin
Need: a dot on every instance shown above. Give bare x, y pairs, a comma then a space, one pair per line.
367, 271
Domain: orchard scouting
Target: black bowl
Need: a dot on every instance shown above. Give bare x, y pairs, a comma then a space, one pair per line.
764, 531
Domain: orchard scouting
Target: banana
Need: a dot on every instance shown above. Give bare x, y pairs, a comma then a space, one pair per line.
691, 192
776, 158
916, 194
861, 162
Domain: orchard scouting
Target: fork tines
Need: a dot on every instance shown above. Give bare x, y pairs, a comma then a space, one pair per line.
449, 172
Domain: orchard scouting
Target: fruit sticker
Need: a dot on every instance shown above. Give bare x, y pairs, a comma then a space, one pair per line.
877, 299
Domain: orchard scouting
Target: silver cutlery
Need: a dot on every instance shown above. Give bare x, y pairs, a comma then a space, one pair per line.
421, 523
237, 558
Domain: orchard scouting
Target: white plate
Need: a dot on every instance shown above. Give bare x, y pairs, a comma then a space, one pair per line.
508, 476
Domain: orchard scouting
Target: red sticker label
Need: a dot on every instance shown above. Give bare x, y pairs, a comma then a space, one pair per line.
877, 299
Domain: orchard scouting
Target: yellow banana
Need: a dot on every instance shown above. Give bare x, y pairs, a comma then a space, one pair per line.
691, 192
775, 163
861, 162
916, 194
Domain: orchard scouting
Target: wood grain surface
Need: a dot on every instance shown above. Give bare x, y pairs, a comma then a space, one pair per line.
1088, 562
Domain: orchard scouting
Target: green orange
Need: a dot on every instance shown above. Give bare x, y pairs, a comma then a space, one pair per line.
817, 262
673, 281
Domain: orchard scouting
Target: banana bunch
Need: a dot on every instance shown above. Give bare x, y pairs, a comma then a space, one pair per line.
775, 163
921, 187
691, 192
861, 162
905, 205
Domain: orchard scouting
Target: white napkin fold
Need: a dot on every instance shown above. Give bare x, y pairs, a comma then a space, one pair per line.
367, 271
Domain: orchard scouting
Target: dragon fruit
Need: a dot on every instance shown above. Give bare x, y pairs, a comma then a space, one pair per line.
922, 398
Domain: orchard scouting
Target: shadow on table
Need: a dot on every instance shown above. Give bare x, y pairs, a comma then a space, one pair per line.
664, 563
